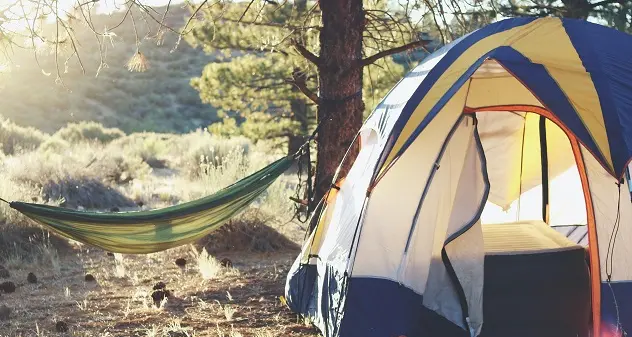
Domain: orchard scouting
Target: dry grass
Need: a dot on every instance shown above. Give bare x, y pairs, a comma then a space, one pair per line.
240, 302
205, 298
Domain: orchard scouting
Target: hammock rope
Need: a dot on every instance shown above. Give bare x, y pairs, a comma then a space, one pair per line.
143, 232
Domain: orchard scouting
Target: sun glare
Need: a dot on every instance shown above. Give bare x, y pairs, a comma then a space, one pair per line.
21, 15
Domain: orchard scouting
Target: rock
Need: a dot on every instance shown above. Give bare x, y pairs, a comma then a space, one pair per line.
227, 263
61, 326
7, 287
181, 262
5, 312
31, 278
89, 278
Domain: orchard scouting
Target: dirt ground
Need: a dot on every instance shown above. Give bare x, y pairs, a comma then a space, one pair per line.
240, 301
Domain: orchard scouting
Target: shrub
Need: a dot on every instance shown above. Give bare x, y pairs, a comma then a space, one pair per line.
201, 150
85, 191
15, 138
54, 144
11, 190
72, 178
247, 233
88, 131
152, 148
118, 167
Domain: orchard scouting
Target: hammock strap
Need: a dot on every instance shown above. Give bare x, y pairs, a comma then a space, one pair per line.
303, 210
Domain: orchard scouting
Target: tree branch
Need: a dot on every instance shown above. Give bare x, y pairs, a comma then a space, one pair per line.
306, 53
299, 80
269, 24
603, 3
371, 59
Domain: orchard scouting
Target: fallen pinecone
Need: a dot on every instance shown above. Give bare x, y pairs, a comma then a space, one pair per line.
226, 263
7, 287
61, 326
160, 286
181, 262
159, 293
31, 278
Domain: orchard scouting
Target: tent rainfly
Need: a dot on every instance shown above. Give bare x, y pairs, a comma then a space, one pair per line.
404, 244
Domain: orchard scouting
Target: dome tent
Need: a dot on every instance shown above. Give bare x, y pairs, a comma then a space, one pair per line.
400, 248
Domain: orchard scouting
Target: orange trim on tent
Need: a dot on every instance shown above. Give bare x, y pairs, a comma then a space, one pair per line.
593, 247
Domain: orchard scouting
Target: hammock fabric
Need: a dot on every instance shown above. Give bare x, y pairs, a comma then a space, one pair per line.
145, 232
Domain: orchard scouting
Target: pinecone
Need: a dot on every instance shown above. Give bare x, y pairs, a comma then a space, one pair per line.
226, 263
61, 326
31, 278
7, 287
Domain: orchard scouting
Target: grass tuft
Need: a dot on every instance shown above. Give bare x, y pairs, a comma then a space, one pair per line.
88, 132
208, 266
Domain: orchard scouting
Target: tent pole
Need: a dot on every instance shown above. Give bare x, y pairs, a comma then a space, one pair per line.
544, 160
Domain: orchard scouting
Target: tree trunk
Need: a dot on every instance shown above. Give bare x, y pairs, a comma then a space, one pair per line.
340, 89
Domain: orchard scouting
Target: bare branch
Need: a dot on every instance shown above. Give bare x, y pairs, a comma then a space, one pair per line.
247, 8
299, 80
306, 53
604, 3
269, 24
195, 12
384, 53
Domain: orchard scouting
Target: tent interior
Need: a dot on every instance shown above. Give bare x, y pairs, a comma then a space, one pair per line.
535, 277
536, 273
536, 265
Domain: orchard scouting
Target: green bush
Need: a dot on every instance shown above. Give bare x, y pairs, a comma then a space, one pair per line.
152, 148
118, 167
88, 131
199, 150
15, 139
54, 144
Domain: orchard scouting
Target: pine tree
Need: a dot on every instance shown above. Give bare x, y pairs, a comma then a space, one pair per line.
257, 88
299, 64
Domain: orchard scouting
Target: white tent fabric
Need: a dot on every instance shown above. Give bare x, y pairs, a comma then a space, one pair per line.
383, 235
610, 203
458, 190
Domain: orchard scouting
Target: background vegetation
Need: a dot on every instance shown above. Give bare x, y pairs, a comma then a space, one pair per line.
158, 100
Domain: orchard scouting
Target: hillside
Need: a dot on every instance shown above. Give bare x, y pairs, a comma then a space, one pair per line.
159, 99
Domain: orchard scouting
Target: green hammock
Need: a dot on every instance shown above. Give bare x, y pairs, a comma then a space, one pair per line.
156, 230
